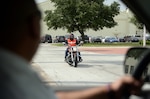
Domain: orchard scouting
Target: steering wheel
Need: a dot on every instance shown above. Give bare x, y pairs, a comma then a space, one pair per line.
137, 74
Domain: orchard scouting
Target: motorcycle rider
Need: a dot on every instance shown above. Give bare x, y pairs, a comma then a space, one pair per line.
71, 41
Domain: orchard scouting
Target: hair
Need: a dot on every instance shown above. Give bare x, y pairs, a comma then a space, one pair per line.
14, 17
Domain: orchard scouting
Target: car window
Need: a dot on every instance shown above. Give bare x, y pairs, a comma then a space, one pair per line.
101, 64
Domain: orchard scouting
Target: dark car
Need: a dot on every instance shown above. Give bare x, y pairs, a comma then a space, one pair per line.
96, 40
121, 39
127, 38
134, 39
46, 38
59, 39
86, 39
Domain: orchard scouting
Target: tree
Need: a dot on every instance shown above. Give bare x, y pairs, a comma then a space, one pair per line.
136, 22
81, 15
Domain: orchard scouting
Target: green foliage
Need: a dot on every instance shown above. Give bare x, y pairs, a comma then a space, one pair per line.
136, 22
147, 42
80, 15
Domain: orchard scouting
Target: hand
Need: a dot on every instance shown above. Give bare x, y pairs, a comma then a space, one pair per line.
128, 84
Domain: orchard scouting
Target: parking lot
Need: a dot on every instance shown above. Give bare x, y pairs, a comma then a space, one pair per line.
98, 67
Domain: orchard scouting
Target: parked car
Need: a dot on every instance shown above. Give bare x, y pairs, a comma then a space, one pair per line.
97, 40
79, 38
111, 39
122, 39
139, 37
86, 39
46, 38
148, 38
127, 38
134, 39
103, 38
59, 39
66, 37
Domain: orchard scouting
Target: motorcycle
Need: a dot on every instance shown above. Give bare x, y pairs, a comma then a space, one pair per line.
73, 56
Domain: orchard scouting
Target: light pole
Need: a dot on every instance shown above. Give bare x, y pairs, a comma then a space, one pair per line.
144, 35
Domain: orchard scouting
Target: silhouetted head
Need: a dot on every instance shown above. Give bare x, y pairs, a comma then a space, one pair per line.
20, 27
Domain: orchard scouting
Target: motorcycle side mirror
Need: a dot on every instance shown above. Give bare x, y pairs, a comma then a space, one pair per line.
132, 58
63, 43
81, 43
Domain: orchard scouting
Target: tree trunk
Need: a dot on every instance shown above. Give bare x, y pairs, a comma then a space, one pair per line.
82, 35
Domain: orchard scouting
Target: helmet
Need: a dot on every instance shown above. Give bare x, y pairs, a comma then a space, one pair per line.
71, 36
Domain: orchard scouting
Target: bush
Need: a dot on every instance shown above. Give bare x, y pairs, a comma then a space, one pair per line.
147, 42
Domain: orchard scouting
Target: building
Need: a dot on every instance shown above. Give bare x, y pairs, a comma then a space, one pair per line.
123, 28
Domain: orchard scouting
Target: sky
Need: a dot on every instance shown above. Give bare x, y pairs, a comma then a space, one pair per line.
39, 1
122, 6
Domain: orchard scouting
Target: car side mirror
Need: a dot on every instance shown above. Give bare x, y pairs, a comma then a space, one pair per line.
132, 57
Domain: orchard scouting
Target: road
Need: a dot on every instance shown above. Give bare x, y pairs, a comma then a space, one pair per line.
98, 67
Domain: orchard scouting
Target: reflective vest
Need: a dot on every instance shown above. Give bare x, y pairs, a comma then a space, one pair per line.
72, 43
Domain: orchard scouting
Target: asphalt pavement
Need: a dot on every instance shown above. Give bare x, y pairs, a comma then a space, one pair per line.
99, 66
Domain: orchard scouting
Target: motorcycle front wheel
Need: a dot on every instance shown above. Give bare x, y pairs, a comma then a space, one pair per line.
75, 61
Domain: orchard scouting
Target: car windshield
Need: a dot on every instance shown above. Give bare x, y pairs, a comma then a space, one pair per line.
102, 62
113, 38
